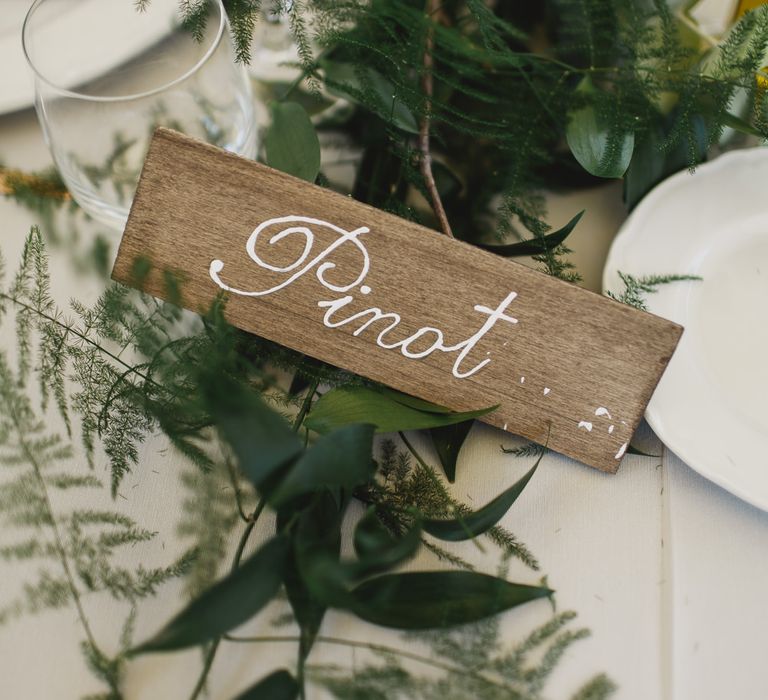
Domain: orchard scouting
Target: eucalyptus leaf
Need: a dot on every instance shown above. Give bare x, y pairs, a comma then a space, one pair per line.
432, 599
227, 604
260, 438
600, 148
473, 524
345, 405
341, 458
534, 246
291, 142
448, 441
345, 80
280, 685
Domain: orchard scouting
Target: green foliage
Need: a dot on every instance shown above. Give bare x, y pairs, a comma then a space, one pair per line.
291, 142
473, 663
64, 345
388, 411
536, 246
118, 169
512, 85
635, 288
408, 600
370, 89
599, 688
77, 554
73, 548
378, 549
186, 384
305, 553
602, 149
340, 460
279, 685
208, 492
623, 82
262, 441
402, 488
227, 604
43, 192
529, 449
473, 524
448, 441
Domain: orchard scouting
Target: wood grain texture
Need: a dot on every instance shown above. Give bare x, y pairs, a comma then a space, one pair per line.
574, 360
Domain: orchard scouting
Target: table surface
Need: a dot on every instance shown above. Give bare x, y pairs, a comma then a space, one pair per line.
666, 570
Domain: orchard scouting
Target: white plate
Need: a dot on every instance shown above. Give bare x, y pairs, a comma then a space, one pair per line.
711, 406
16, 88
16, 84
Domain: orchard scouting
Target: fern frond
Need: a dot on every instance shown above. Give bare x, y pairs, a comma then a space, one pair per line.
474, 664
404, 486
635, 288
529, 449
210, 493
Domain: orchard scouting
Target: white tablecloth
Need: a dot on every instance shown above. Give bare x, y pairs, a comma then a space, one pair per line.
667, 570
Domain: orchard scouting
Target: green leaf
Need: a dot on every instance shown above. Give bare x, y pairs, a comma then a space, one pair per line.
328, 580
279, 685
742, 125
473, 524
261, 439
317, 532
344, 80
371, 537
646, 169
378, 549
345, 405
534, 246
291, 142
448, 441
227, 604
317, 546
413, 402
632, 450
430, 599
342, 458
599, 148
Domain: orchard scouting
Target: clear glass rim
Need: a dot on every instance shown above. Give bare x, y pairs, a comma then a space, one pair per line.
132, 96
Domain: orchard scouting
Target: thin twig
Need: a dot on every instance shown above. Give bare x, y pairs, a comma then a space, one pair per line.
67, 328
306, 405
211, 654
297, 423
427, 87
380, 648
58, 540
236, 487
251, 523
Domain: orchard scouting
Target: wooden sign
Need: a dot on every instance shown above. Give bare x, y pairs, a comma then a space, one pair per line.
395, 302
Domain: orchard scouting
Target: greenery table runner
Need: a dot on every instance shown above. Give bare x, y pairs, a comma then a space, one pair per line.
469, 108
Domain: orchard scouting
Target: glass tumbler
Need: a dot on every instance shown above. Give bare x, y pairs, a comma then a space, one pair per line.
107, 74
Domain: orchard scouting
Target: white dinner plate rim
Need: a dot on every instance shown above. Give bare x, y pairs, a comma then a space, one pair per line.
628, 230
